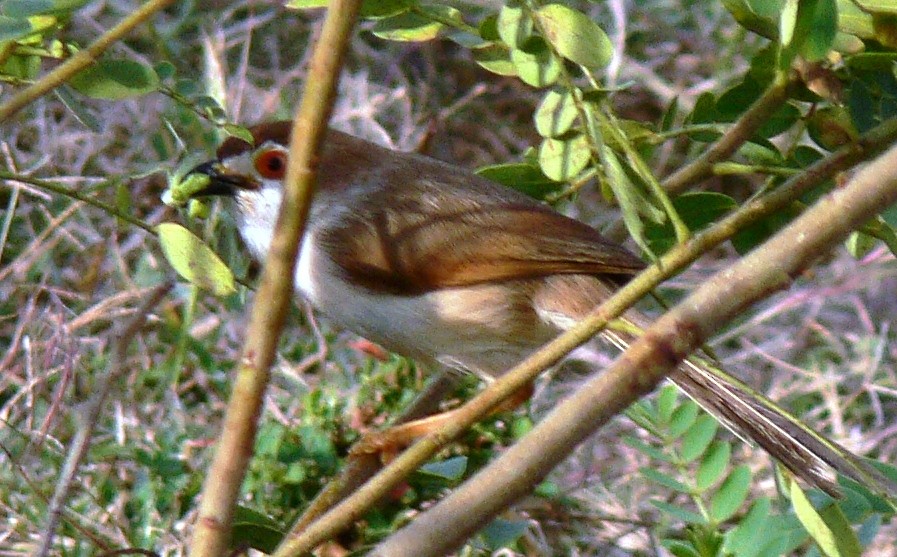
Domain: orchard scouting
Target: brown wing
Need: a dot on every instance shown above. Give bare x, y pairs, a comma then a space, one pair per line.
456, 234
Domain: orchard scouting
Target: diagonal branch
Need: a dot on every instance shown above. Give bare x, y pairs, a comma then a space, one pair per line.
364, 497
638, 371
746, 126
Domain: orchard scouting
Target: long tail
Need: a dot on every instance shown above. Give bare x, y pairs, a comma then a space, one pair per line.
749, 414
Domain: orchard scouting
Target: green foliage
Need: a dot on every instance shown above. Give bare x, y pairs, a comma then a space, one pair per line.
115, 80
194, 260
707, 494
555, 46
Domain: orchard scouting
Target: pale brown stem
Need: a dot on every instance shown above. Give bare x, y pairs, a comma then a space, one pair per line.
638, 371
740, 132
212, 532
79, 60
676, 259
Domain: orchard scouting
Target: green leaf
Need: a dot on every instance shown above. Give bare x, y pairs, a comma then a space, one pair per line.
854, 504
679, 548
759, 16
194, 260
318, 445
815, 524
761, 154
628, 196
880, 229
654, 453
165, 70
27, 8
877, 6
696, 209
878, 502
817, 23
306, 4
549, 490
73, 103
239, 132
731, 495
734, 101
13, 28
564, 159
712, 466
689, 517
488, 29
535, 64
514, 26
254, 529
495, 58
665, 480
523, 177
667, 403
753, 530
788, 22
781, 121
698, 437
757, 233
861, 106
669, 115
375, 9
859, 244
683, 418
500, 532
415, 27
115, 80
556, 114
885, 26
853, 20
831, 127
575, 36
704, 112
451, 469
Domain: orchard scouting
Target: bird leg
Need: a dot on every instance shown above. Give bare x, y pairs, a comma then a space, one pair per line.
390, 442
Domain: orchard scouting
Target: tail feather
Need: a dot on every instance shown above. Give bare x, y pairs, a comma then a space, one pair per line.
807, 454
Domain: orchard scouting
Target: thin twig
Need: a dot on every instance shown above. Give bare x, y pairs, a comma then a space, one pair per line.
212, 533
75, 194
746, 126
79, 60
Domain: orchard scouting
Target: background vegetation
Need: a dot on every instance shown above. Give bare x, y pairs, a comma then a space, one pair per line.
74, 276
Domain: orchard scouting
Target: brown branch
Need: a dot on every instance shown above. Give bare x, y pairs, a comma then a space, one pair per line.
638, 371
269, 311
746, 126
79, 60
680, 256
77, 195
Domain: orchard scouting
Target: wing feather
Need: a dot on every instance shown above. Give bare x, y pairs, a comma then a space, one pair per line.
457, 230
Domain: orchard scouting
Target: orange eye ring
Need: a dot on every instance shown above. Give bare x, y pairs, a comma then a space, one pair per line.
271, 164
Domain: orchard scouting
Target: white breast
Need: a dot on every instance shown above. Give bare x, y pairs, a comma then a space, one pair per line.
450, 326
304, 281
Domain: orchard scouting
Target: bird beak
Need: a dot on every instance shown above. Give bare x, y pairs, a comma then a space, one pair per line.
222, 181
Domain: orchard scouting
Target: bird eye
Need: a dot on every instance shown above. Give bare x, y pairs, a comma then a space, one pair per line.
271, 164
